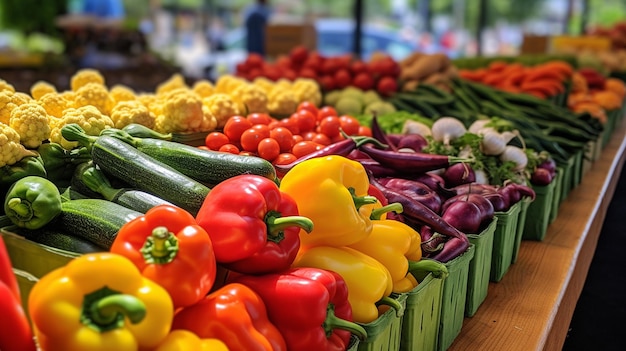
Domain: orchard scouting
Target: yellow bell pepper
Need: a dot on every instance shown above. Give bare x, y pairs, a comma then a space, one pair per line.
332, 192
369, 282
99, 302
389, 243
379, 213
184, 340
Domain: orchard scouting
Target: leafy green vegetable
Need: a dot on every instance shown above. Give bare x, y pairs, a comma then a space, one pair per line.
394, 121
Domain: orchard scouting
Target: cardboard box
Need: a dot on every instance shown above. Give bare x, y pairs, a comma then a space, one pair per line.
281, 37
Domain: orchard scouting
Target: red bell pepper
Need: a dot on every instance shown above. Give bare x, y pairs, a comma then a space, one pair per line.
234, 314
171, 249
309, 306
15, 330
253, 225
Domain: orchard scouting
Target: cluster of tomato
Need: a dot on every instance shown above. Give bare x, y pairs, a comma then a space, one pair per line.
282, 141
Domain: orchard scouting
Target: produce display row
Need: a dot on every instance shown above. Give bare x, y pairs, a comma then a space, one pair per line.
273, 210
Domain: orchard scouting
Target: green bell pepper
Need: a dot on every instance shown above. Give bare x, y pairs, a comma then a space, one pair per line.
61, 163
27, 166
32, 202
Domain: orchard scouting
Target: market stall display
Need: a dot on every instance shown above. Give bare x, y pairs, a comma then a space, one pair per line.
424, 193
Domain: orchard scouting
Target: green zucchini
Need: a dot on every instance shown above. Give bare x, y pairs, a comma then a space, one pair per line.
94, 220
57, 239
143, 172
90, 179
205, 166
140, 131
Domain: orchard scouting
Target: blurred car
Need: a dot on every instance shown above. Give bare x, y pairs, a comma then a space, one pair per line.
334, 37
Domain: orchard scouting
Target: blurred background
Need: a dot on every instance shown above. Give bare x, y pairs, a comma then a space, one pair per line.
141, 42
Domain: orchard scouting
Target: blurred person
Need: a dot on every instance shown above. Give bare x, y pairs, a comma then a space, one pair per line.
256, 18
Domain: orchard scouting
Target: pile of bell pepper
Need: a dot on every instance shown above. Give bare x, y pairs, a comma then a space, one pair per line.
300, 265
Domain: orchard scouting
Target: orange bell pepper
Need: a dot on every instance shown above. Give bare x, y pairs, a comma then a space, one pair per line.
234, 314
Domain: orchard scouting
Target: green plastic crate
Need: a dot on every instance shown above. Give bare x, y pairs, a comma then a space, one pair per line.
479, 268
538, 214
354, 344
578, 168
503, 242
421, 318
556, 196
612, 117
521, 224
453, 299
566, 182
383, 334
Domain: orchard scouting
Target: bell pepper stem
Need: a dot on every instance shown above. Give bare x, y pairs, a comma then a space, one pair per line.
21, 208
393, 303
392, 207
333, 322
110, 309
425, 266
276, 225
361, 200
161, 246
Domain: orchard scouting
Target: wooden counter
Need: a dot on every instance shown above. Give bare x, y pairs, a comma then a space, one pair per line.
532, 306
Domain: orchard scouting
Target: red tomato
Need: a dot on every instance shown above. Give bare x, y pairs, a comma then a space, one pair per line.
252, 136
290, 124
215, 140
325, 112
309, 135
321, 139
230, 148
296, 139
305, 120
284, 158
365, 131
309, 106
268, 149
247, 153
330, 126
349, 124
305, 147
259, 118
284, 137
235, 126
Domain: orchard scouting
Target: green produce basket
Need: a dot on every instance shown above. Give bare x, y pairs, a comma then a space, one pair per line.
383, 334
479, 268
420, 324
354, 343
609, 127
25, 281
566, 182
521, 224
453, 299
31, 257
578, 168
504, 241
556, 197
538, 214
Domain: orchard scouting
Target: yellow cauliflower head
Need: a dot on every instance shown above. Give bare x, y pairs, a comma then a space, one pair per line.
264, 83
176, 81
282, 102
88, 117
182, 111
85, 76
121, 93
152, 102
307, 90
41, 88
9, 100
133, 111
96, 95
203, 88
54, 104
6, 86
222, 106
250, 98
30, 121
11, 150
225, 84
